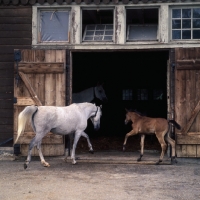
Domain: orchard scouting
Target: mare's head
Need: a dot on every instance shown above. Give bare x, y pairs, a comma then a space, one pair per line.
100, 93
96, 118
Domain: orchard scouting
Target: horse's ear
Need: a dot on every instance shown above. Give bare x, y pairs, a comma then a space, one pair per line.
100, 106
126, 110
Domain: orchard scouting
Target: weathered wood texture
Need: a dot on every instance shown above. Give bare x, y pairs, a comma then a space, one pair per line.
187, 101
15, 33
41, 88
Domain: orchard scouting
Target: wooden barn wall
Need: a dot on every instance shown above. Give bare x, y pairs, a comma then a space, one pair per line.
15, 33
187, 101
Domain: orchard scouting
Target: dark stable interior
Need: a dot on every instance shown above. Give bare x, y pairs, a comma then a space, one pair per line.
119, 71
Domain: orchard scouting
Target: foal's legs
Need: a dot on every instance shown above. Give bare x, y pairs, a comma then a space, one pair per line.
163, 145
142, 147
132, 132
88, 141
172, 143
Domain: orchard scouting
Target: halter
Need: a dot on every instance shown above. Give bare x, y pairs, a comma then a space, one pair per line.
96, 112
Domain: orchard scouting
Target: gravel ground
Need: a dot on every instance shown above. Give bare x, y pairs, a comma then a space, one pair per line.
102, 176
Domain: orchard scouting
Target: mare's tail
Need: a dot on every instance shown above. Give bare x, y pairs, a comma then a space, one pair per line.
175, 124
25, 115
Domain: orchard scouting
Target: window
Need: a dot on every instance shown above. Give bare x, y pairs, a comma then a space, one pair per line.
97, 25
185, 23
127, 94
142, 24
157, 94
100, 32
53, 25
142, 94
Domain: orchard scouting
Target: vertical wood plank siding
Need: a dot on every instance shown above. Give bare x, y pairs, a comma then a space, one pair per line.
15, 33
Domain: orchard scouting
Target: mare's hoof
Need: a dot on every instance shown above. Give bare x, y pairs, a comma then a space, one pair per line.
45, 164
91, 151
139, 159
25, 165
48, 165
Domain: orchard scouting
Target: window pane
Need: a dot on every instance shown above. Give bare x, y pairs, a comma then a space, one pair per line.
142, 32
88, 38
98, 37
176, 24
90, 33
142, 94
186, 23
157, 94
186, 13
107, 37
196, 34
100, 27
99, 32
176, 34
127, 94
54, 25
176, 13
186, 34
108, 32
90, 27
196, 23
196, 13
109, 26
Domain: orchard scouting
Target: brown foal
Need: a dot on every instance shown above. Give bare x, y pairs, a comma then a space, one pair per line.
145, 126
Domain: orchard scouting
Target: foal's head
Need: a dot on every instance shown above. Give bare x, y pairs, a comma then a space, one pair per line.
128, 116
131, 116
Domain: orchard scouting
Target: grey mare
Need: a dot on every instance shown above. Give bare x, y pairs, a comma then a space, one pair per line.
88, 95
58, 120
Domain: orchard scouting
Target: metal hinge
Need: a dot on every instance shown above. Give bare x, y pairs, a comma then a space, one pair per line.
17, 58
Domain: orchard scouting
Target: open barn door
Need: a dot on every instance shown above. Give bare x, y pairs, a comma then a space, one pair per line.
187, 101
41, 82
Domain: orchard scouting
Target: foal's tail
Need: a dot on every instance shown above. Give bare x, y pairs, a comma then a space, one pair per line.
175, 124
26, 114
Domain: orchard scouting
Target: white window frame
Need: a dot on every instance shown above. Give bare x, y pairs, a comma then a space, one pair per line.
94, 35
36, 24
100, 8
170, 21
158, 30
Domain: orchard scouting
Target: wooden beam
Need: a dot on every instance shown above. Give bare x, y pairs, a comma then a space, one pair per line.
48, 139
30, 89
24, 101
38, 68
191, 120
188, 64
193, 138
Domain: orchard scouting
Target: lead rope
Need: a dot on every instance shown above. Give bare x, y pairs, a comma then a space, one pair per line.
96, 112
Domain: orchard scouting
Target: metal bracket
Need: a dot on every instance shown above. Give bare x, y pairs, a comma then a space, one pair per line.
17, 58
173, 67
